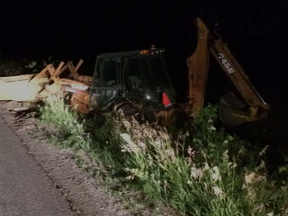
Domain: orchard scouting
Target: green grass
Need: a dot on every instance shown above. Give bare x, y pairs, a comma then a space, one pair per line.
201, 172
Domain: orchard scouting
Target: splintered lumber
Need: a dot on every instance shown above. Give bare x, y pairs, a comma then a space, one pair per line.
32, 87
17, 78
24, 87
15, 88
16, 91
75, 75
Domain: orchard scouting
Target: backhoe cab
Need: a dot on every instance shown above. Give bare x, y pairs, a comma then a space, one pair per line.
139, 77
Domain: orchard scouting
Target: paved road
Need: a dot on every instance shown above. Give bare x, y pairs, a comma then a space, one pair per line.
25, 190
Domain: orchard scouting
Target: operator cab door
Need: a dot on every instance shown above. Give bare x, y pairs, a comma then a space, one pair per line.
106, 81
146, 79
136, 77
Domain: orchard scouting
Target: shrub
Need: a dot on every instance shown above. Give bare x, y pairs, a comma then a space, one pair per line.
10, 68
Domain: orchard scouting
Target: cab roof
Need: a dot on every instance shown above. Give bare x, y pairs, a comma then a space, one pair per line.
132, 53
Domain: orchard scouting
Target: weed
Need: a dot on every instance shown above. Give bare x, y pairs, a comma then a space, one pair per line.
201, 172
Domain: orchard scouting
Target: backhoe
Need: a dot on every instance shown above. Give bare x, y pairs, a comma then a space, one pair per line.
138, 81
141, 78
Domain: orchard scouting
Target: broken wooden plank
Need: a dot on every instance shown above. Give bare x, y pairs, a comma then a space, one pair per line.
17, 78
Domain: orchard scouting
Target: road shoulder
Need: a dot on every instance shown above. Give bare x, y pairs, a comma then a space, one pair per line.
84, 194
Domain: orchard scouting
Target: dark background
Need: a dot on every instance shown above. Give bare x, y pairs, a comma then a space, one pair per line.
256, 33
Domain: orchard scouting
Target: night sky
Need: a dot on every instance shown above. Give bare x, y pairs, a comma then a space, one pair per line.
255, 32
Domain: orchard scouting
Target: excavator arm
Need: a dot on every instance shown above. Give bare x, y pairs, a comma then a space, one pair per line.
198, 66
231, 109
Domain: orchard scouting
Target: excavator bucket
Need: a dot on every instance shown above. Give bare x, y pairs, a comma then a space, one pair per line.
230, 112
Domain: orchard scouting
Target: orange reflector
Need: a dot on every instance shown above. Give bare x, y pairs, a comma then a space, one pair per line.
144, 52
165, 100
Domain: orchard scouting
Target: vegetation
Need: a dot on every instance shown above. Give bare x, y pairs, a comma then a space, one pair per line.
201, 171
10, 68
14, 68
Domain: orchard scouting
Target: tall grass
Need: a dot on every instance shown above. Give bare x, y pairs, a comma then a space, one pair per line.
205, 172
201, 172
70, 123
